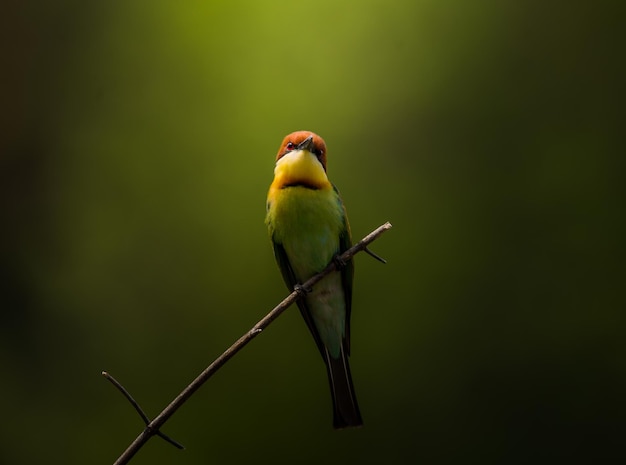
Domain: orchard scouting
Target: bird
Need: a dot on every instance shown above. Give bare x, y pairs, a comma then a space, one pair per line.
309, 228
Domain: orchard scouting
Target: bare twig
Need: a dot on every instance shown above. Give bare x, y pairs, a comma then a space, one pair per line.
372, 254
134, 403
140, 411
152, 428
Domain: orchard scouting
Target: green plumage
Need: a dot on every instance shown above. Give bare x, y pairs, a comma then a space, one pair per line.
309, 227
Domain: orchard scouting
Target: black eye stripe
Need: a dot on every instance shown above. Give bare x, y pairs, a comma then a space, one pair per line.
315, 151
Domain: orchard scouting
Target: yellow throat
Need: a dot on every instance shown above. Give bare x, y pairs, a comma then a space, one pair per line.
300, 168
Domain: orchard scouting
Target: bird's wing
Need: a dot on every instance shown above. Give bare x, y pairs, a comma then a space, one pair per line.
290, 279
347, 275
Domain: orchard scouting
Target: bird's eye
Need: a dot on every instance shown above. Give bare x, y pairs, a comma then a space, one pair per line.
290, 145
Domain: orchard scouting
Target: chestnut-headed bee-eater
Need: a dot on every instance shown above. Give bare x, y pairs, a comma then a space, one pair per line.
308, 226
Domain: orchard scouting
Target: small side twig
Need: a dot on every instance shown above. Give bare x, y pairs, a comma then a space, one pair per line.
372, 254
139, 410
152, 427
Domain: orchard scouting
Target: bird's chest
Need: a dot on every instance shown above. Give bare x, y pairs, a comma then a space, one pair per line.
308, 224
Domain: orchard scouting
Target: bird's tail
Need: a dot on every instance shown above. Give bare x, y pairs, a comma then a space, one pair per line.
345, 408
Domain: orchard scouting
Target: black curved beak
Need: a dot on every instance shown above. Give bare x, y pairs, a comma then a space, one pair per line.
306, 144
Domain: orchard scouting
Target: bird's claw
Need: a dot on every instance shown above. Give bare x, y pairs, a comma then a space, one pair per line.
339, 262
300, 289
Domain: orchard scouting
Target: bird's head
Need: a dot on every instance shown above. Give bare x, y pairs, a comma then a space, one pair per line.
304, 140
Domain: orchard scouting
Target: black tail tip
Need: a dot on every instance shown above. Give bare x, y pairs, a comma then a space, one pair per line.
345, 423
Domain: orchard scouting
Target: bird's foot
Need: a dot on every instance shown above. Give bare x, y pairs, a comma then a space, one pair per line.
339, 262
300, 289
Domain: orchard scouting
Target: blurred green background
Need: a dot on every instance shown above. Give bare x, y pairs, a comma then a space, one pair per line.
137, 144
